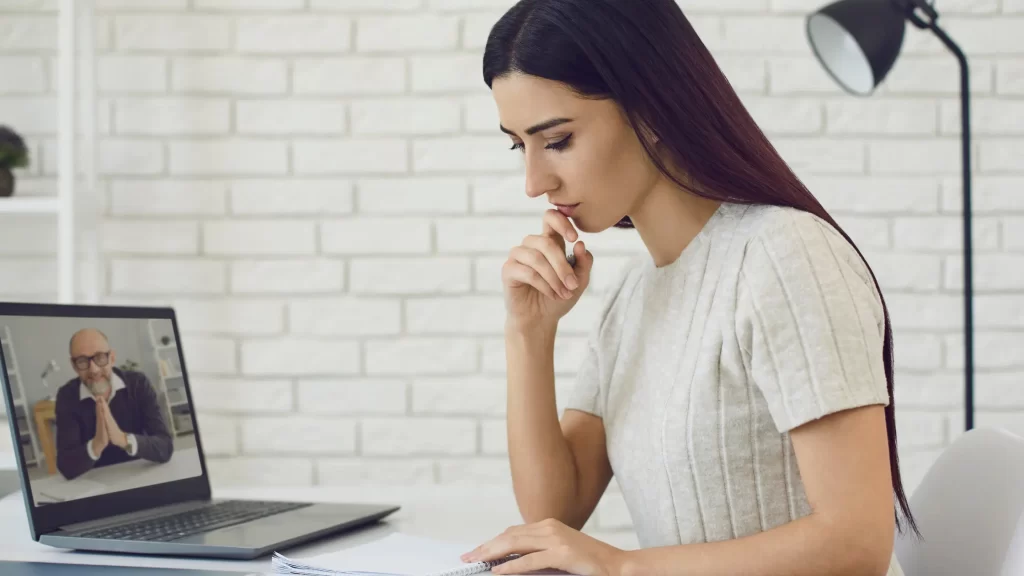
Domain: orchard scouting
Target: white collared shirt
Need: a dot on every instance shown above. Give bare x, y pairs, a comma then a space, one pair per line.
116, 383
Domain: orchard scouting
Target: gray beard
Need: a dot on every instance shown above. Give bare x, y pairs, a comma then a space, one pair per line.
100, 387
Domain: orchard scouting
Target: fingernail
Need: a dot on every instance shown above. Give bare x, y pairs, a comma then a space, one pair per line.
572, 282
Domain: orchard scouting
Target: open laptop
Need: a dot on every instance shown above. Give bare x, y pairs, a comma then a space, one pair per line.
108, 447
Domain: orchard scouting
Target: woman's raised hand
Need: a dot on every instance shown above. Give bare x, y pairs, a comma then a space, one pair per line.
539, 283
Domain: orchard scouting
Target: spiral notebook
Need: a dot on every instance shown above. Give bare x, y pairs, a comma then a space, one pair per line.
394, 555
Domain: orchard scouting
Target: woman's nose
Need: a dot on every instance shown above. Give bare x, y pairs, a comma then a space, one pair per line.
539, 181
534, 190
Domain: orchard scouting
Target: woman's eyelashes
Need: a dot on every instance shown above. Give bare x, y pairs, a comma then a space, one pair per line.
556, 146
561, 144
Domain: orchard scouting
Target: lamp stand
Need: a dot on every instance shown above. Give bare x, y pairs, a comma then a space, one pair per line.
965, 136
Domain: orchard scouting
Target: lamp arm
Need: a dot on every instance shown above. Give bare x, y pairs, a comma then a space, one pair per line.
911, 8
965, 136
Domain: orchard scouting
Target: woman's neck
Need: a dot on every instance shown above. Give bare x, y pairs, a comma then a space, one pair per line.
669, 219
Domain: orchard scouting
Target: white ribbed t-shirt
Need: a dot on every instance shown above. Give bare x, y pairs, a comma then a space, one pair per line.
699, 369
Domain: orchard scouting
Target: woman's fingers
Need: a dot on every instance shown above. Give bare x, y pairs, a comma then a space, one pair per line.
537, 260
525, 274
556, 258
508, 544
540, 261
557, 224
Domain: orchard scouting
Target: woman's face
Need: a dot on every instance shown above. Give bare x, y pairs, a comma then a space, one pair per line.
595, 159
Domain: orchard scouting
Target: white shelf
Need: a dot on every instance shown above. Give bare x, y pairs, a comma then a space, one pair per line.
163, 363
75, 204
17, 205
17, 384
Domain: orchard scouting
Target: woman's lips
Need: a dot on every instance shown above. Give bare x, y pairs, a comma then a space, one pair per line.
567, 210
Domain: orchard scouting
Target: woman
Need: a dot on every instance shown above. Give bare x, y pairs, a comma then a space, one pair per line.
738, 382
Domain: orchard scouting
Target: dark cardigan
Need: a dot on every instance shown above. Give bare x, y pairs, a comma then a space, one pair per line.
136, 410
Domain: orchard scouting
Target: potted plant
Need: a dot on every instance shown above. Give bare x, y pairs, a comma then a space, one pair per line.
129, 366
13, 154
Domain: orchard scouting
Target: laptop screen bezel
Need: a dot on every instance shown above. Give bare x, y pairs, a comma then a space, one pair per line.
49, 517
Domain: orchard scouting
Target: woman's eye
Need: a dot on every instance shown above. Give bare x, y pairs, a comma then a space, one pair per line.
561, 144
557, 146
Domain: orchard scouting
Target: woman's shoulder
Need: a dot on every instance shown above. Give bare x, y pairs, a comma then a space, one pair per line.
793, 248
789, 232
764, 221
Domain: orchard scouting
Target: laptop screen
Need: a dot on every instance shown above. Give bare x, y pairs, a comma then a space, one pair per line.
100, 404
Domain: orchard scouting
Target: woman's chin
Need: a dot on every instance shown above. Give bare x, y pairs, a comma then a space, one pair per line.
581, 225
587, 225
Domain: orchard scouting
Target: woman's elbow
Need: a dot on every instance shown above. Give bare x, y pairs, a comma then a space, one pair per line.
874, 563
865, 549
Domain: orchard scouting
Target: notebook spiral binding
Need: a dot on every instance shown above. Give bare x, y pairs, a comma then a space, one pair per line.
282, 565
476, 567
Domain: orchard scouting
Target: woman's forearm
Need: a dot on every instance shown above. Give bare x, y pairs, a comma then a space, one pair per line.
543, 469
808, 546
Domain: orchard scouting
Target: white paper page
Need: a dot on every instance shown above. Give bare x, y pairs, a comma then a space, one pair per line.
395, 554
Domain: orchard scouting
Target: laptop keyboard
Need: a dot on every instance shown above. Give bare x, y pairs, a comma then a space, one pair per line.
205, 519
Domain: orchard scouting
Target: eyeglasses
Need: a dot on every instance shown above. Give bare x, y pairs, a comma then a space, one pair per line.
100, 358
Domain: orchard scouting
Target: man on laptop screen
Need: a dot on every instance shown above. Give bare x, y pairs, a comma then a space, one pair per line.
108, 427
106, 416
109, 452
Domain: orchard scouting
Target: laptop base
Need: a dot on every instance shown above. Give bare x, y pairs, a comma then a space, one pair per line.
8, 568
244, 541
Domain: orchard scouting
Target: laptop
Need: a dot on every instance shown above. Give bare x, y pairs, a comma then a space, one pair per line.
109, 450
10, 568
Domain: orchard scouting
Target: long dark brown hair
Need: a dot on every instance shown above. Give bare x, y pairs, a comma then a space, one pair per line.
645, 55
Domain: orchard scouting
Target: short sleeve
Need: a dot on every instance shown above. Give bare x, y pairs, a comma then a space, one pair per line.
810, 321
585, 393
590, 386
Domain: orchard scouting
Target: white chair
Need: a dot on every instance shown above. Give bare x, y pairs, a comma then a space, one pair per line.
970, 510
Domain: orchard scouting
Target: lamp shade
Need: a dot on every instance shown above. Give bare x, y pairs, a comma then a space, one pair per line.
857, 41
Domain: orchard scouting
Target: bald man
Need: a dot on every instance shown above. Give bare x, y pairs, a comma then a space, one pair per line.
106, 415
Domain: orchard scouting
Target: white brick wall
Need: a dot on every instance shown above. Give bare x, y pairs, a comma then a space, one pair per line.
320, 189
293, 34
282, 116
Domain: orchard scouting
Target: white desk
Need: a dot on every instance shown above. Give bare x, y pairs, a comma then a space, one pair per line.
426, 511
118, 477
460, 513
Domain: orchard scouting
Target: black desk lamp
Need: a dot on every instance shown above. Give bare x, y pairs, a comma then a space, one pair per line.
858, 41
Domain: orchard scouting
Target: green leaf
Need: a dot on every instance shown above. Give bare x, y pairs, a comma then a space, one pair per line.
13, 157
21, 160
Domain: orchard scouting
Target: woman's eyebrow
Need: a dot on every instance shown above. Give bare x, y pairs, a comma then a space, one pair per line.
539, 127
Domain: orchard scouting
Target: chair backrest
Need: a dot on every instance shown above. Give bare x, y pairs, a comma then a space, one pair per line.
970, 510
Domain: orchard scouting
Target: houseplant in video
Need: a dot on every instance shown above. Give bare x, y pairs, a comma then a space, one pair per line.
13, 154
